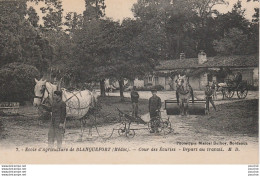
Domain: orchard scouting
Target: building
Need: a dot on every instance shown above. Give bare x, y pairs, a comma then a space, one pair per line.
203, 70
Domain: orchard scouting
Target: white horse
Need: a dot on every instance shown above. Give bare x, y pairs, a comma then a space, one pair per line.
183, 94
78, 103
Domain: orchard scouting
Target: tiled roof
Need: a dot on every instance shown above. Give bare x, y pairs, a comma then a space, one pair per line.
212, 62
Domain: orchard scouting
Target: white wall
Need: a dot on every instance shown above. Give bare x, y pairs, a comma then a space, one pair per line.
139, 82
203, 80
195, 83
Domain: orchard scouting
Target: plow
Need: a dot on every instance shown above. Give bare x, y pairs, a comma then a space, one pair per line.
125, 127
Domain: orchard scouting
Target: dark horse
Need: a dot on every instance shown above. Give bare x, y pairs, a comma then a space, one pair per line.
183, 94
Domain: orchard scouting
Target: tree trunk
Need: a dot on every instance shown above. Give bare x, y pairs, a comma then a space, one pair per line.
121, 86
102, 88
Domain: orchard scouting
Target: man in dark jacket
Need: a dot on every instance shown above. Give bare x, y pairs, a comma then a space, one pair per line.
209, 93
154, 109
57, 125
134, 99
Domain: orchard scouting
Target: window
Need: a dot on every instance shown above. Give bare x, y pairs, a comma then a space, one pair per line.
150, 79
156, 79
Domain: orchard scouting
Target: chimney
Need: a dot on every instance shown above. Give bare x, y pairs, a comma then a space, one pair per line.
182, 55
202, 57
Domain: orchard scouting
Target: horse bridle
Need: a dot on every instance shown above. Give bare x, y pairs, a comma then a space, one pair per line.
44, 88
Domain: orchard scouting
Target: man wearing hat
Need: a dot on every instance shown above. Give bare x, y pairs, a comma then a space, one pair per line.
58, 110
208, 94
154, 108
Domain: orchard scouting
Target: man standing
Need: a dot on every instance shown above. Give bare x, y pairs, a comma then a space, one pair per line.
134, 99
57, 125
208, 95
154, 108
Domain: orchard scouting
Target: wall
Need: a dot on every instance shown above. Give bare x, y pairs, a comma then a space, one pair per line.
168, 84
161, 81
139, 82
203, 81
195, 83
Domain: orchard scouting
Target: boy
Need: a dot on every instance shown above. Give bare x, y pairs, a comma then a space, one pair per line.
154, 108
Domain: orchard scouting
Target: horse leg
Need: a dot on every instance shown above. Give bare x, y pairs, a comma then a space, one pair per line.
81, 129
187, 107
90, 131
39, 116
184, 108
181, 108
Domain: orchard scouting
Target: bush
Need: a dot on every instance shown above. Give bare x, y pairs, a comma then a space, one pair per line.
17, 82
149, 88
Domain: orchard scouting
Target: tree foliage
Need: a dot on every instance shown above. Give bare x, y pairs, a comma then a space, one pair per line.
17, 82
20, 40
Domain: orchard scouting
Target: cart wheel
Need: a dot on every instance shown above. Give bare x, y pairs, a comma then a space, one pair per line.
167, 127
228, 93
242, 91
167, 124
161, 125
121, 131
149, 126
130, 133
167, 130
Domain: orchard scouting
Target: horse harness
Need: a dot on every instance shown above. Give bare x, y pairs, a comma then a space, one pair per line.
44, 88
180, 90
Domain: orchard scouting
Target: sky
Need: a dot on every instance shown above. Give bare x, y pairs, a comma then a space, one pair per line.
119, 9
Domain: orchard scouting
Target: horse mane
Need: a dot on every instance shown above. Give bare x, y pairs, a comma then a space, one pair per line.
49, 91
184, 88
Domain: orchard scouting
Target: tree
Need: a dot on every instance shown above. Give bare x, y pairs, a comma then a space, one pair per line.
17, 82
130, 58
94, 45
234, 42
95, 9
33, 17
73, 22
53, 15
21, 42
90, 44
153, 16
178, 26
234, 19
236, 34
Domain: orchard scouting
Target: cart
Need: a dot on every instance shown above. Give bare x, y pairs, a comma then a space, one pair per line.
231, 87
164, 125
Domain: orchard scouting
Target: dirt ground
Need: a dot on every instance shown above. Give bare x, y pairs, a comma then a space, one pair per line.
234, 121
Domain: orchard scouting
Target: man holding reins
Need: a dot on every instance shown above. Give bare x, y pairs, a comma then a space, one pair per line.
57, 125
